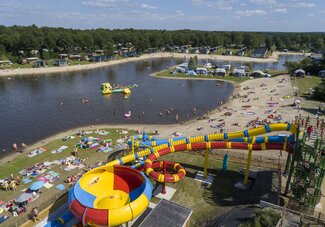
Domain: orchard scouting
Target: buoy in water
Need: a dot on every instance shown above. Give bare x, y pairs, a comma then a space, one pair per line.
129, 114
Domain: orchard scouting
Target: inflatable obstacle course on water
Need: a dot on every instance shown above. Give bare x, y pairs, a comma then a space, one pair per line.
108, 89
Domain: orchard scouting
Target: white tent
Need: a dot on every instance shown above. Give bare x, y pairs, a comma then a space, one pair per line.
300, 72
220, 72
239, 72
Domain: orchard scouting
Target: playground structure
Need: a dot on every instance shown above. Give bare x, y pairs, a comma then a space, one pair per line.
121, 193
308, 169
108, 89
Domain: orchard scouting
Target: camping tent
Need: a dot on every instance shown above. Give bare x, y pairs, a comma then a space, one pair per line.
239, 72
322, 73
299, 72
220, 72
191, 73
258, 73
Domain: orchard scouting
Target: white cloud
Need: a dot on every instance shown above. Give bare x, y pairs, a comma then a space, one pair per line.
147, 6
280, 10
179, 13
219, 4
304, 5
253, 12
107, 3
311, 14
263, 1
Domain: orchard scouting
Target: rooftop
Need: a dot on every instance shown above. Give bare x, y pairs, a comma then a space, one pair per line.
167, 213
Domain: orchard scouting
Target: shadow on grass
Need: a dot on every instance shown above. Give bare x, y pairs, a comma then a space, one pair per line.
312, 110
223, 193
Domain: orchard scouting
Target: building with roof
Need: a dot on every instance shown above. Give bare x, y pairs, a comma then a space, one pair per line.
259, 53
220, 72
239, 72
61, 62
167, 213
31, 60
64, 56
201, 71
5, 63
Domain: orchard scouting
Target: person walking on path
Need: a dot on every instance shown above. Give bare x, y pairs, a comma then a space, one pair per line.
35, 214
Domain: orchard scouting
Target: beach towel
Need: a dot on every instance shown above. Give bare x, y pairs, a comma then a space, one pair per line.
52, 173
251, 113
106, 150
120, 140
48, 185
43, 178
3, 218
59, 150
80, 166
61, 187
94, 145
22, 172
34, 153
26, 180
103, 133
1, 202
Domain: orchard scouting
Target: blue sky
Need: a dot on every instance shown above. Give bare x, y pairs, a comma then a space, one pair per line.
218, 15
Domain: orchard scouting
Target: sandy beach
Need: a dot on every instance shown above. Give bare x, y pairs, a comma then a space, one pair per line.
48, 70
256, 98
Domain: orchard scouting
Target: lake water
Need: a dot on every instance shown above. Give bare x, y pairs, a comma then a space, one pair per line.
30, 105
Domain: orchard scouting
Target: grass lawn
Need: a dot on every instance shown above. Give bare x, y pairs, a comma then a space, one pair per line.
305, 84
275, 72
208, 202
221, 50
192, 194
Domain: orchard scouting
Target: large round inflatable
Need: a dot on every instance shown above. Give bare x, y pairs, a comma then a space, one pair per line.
110, 196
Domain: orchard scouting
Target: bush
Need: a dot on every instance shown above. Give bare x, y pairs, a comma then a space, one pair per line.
266, 217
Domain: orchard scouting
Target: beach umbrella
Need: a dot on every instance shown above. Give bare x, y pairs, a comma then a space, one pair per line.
23, 197
36, 185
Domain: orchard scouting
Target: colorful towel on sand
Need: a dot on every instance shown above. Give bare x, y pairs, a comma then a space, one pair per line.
26, 180
59, 150
43, 178
52, 173
48, 185
61, 187
34, 153
3, 218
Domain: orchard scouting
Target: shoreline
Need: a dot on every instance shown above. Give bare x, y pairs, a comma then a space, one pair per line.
48, 70
256, 97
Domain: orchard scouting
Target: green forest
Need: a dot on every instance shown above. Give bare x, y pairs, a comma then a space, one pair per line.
20, 40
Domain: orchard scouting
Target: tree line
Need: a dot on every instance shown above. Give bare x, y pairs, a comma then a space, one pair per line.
15, 39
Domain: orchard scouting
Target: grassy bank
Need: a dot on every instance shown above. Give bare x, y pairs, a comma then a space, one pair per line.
306, 84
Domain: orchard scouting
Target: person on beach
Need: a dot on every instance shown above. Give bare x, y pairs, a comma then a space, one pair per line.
176, 117
35, 214
310, 129
14, 146
76, 152
24, 146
